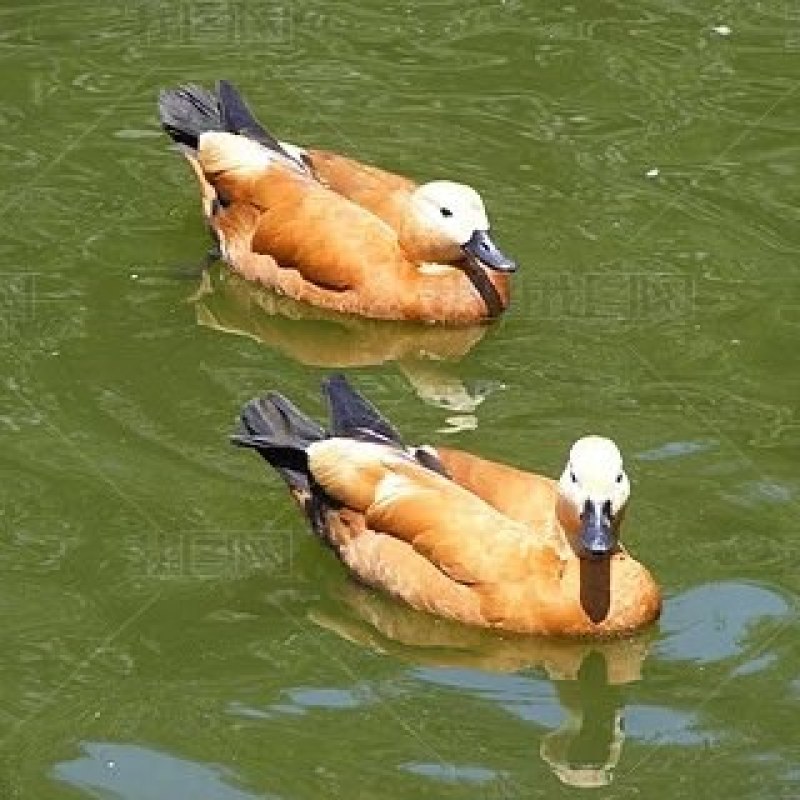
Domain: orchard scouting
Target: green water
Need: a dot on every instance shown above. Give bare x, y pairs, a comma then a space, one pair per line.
170, 630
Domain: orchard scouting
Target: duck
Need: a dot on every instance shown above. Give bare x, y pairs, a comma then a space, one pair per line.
456, 535
330, 231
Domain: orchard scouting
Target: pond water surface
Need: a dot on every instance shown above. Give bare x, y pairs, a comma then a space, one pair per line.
171, 630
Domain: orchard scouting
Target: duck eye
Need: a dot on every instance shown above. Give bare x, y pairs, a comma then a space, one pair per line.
619, 478
445, 212
572, 477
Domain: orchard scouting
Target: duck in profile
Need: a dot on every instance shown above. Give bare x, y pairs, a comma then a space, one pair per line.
327, 230
456, 535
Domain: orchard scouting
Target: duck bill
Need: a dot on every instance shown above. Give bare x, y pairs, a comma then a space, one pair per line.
597, 537
481, 248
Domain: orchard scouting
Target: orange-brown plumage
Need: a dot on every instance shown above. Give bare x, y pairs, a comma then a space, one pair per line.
483, 543
333, 232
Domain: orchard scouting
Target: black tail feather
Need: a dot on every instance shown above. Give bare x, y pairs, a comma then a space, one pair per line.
275, 415
188, 111
237, 118
353, 416
280, 433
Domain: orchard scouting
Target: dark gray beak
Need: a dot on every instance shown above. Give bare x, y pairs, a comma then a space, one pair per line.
597, 538
484, 250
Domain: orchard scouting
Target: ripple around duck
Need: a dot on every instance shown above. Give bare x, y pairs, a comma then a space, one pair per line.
321, 697
529, 699
710, 623
670, 450
452, 773
132, 772
763, 492
666, 726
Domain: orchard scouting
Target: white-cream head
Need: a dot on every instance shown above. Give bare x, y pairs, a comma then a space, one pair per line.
455, 212
595, 484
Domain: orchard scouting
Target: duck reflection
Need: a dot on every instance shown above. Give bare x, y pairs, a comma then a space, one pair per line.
587, 746
318, 338
589, 677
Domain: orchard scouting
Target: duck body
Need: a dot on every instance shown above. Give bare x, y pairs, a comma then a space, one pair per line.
330, 231
445, 531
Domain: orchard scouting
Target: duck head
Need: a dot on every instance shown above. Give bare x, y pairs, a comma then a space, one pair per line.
449, 223
593, 492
